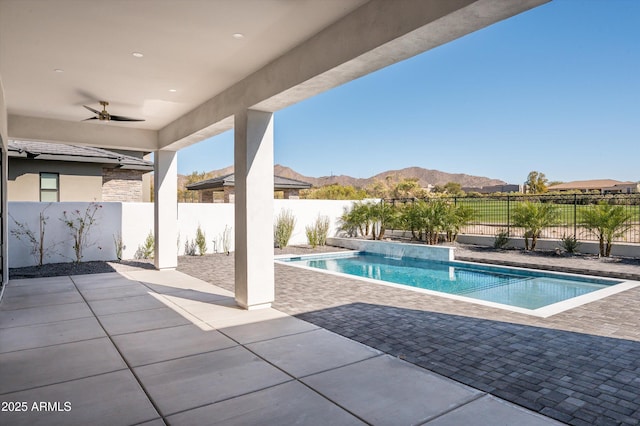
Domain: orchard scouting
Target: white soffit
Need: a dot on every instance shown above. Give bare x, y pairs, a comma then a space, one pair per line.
188, 46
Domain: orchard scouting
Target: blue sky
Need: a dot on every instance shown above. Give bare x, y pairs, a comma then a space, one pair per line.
556, 89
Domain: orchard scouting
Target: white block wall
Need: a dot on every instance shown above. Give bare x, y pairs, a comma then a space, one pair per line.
101, 246
135, 221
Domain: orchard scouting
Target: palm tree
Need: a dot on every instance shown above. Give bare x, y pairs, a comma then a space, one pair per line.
607, 221
412, 218
382, 215
534, 217
356, 219
455, 218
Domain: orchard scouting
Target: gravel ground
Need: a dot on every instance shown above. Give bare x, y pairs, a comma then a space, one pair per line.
72, 268
99, 267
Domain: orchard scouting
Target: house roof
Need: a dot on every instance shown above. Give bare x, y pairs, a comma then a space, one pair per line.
34, 150
279, 183
586, 184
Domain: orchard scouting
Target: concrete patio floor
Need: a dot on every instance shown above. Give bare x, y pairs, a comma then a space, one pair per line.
149, 347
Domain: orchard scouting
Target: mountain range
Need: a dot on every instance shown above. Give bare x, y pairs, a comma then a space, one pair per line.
425, 177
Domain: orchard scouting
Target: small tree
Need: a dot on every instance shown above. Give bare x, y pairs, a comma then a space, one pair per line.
80, 224
201, 241
283, 228
607, 221
534, 217
36, 243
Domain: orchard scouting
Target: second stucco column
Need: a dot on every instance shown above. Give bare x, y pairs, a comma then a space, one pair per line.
165, 209
253, 163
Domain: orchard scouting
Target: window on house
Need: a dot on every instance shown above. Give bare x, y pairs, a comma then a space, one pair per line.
49, 189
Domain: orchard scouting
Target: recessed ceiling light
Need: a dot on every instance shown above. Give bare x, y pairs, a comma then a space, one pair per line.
137, 54
58, 70
238, 36
173, 90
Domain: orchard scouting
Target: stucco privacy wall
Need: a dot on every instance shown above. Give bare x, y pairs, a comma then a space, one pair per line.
135, 221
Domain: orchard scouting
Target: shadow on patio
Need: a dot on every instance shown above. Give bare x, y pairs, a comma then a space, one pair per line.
572, 377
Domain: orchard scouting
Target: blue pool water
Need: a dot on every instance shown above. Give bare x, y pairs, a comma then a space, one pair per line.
514, 287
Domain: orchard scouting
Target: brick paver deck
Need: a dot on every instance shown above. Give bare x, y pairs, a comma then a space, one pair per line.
581, 366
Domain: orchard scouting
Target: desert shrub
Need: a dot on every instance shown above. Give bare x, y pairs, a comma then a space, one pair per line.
312, 235
190, 247
226, 239
322, 228
119, 245
283, 228
569, 243
145, 250
501, 240
317, 232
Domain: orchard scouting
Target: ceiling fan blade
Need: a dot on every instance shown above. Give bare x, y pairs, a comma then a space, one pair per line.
95, 111
90, 118
122, 118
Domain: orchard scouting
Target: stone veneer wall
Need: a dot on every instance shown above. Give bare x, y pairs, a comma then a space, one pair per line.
122, 185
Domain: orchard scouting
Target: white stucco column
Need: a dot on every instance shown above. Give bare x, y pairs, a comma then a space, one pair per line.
253, 163
4, 205
165, 209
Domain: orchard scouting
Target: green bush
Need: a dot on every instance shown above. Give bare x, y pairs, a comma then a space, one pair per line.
569, 243
145, 251
283, 228
201, 241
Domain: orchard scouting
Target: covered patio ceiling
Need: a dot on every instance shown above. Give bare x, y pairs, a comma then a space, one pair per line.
203, 60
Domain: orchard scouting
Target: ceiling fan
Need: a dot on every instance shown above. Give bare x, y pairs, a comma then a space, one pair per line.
105, 116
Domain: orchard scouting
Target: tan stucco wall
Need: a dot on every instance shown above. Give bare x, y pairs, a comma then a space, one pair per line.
78, 181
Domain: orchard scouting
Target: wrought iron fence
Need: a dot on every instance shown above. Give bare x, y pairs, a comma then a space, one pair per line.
494, 214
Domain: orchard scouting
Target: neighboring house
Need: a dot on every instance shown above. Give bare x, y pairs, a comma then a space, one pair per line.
225, 186
601, 185
40, 171
623, 188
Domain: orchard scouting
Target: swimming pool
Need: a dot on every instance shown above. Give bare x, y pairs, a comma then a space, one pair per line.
518, 288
